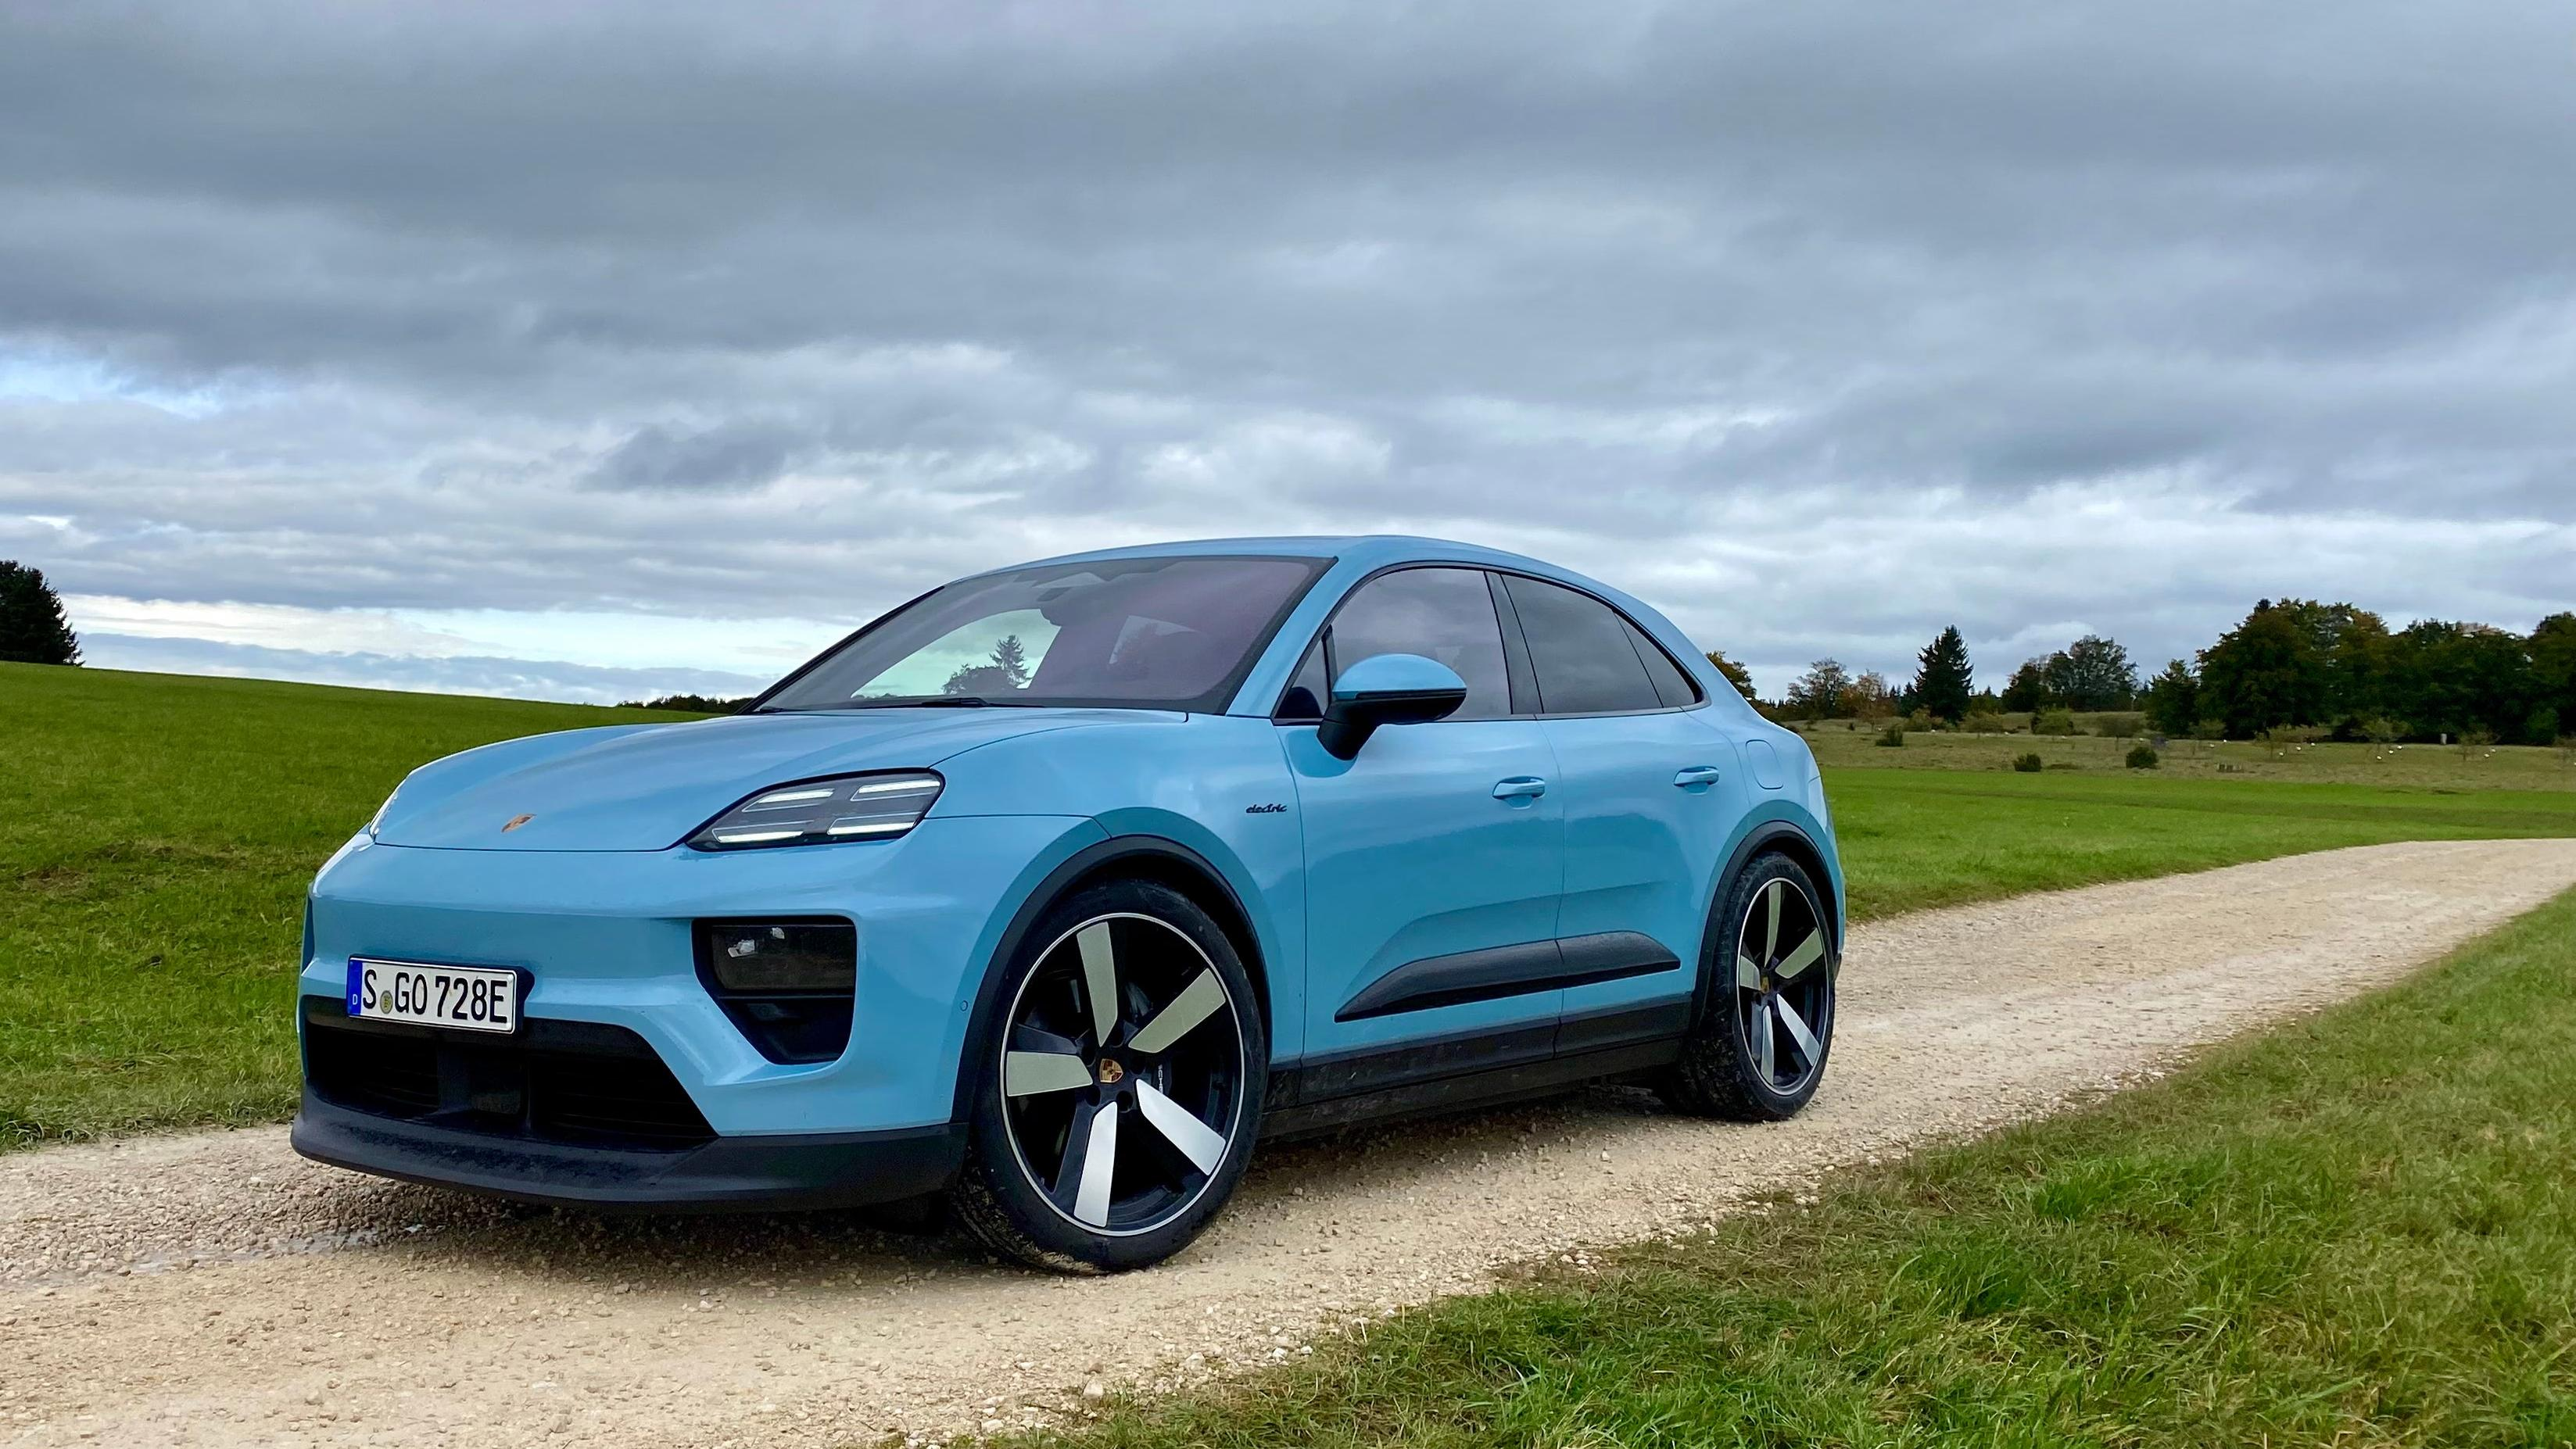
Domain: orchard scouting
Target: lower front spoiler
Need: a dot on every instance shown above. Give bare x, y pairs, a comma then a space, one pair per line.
728, 1174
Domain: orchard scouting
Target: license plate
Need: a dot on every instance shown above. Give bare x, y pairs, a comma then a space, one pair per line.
468, 998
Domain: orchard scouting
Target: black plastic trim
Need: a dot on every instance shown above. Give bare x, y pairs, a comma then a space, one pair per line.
1295, 1113
1764, 836
727, 1174
1521, 675
1498, 971
838, 1008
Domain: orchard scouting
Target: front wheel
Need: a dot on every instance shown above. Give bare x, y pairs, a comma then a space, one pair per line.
1120, 1090
1768, 1020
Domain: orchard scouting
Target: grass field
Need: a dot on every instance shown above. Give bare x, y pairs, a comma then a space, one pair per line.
1849, 745
164, 829
2359, 1229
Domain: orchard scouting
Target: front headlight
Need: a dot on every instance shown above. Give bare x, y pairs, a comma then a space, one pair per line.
878, 806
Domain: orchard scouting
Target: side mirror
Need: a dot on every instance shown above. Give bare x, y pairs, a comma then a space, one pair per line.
1386, 689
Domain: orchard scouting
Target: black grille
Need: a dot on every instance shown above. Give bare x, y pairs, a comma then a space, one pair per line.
554, 1081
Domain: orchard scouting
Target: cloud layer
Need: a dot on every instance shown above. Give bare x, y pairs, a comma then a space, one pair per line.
1818, 325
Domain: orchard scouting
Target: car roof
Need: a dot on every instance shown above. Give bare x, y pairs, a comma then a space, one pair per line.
1370, 550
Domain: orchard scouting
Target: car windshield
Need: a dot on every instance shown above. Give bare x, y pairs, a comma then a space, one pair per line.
1170, 633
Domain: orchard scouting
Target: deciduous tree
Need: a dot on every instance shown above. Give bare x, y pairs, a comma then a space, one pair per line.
2093, 673
1818, 694
1736, 674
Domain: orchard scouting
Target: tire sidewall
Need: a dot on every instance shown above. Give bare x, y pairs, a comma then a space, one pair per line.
994, 1184
1721, 1028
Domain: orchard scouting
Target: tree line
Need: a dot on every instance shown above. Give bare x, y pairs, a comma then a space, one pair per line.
2290, 664
2337, 669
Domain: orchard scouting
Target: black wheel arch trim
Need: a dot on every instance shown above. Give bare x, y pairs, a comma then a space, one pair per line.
1771, 836
1095, 859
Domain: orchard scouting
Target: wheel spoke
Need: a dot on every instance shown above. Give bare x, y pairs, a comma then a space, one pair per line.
1762, 1034
1198, 1142
1098, 1165
1805, 954
1771, 923
1799, 1036
1099, 979
1197, 1002
1027, 1074
1748, 972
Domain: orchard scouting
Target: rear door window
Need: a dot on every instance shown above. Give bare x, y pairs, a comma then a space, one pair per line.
1580, 650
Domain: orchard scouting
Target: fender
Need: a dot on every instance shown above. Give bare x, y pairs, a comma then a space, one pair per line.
1089, 860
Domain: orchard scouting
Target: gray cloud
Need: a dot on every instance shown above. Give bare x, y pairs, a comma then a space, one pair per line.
729, 456
1819, 325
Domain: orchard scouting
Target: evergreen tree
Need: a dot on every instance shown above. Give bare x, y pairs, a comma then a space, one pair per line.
1012, 660
33, 627
1943, 681
1006, 669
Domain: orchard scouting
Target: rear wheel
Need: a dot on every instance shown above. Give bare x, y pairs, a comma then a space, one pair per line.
1768, 1022
1120, 1089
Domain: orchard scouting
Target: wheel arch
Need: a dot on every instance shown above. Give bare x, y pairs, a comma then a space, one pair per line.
1127, 857
1769, 837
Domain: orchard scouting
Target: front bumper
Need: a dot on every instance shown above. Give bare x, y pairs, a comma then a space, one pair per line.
817, 1170
604, 938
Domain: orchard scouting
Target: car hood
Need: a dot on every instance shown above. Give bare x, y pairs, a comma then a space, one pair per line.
645, 787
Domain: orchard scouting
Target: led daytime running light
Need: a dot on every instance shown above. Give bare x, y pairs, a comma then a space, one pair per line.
849, 808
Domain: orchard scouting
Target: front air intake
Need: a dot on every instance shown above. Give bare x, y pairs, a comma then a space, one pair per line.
787, 984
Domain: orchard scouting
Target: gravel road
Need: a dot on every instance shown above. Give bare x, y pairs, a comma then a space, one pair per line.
213, 1289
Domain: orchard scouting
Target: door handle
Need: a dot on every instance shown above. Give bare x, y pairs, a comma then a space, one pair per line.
1520, 787
1696, 776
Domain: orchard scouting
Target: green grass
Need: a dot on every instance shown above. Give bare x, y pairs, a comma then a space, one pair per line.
163, 828
1850, 745
1912, 839
2359, 1229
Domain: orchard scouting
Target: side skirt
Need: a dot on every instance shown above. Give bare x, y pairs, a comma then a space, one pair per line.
1470, 1070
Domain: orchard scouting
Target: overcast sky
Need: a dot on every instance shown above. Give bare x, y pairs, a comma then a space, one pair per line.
587, 351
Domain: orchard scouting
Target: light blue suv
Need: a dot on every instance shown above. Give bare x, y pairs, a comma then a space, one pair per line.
1057, 887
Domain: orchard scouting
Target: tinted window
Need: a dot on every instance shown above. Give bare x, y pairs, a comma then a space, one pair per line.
1443, 614
1304, 699
1671, 683
1173, 633
1580, 651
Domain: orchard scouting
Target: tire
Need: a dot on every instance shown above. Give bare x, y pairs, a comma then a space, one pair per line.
1176, 1069
1769, 967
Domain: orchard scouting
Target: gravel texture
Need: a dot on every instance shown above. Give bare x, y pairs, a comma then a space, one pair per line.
213, 1289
